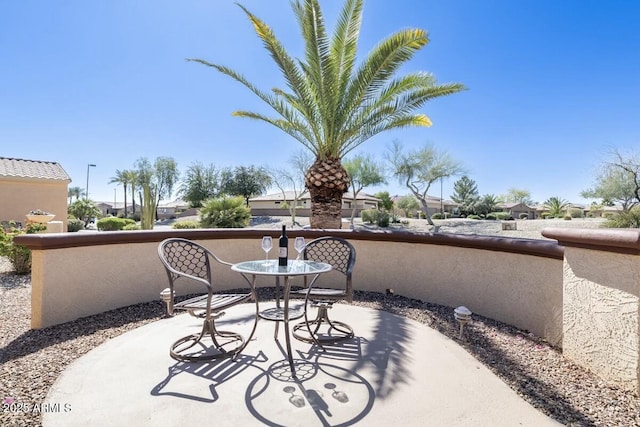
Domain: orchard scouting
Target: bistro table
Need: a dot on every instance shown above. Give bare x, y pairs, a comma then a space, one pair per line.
271, 268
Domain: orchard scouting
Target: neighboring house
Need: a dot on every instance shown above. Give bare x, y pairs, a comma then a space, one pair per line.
275, 204
165, 210
516, 209
27, 185
603, 211
114, 208
172, 209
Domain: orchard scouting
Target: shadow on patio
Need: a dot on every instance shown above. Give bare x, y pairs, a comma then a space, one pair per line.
396, 371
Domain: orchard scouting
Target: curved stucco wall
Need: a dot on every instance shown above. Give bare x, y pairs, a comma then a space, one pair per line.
80, 275
601, 299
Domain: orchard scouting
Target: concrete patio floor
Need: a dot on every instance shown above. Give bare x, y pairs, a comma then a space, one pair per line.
395, 372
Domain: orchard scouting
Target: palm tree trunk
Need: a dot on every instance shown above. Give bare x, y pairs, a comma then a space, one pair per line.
327, 181
125, 201
133, 198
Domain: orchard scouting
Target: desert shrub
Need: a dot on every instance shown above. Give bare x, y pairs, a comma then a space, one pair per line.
437, 215
575, 213
225, 212
503, 216
113, 223
134, 216
19, 256
84, 209
181, 225
35, 227
383, 219
473, 217
630, 219
608, 215
369, 216
523, 215
546, 215
74, 225
567, 218
491, 216
131, 227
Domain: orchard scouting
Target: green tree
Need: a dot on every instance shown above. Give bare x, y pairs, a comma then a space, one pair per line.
330, 104
408, 204
486, 204
225, 212
76, 192
84, 209
418, 169
363, 171
465, 194
517, 195
165, 176
555, 206
199, 184
156, 183
386, 201
293, 181
615, 184
246, 182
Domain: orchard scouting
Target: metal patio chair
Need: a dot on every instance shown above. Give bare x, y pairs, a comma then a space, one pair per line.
342, 257
185, 259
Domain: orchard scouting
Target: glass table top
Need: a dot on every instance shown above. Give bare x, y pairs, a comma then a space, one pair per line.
271, 267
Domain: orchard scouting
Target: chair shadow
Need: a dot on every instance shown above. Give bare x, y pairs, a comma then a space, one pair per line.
217, 372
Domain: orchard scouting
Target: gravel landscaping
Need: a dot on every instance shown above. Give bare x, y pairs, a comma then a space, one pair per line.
31, 360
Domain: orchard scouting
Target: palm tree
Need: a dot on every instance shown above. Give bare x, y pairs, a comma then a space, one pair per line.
76, 192
331, 105
555, 206
121, 178
132, 177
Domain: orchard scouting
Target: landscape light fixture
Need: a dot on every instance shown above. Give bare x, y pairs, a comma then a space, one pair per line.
86, 190
462, 314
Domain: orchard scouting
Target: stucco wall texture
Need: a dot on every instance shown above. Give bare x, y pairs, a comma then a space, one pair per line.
600, 319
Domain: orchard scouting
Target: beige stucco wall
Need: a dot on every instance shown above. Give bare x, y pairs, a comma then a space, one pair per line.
601, 313
522, 290
18, 197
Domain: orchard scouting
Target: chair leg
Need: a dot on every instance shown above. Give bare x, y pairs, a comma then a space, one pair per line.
307, 331
177, 351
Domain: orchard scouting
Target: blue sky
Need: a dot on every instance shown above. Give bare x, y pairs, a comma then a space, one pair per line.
553, 86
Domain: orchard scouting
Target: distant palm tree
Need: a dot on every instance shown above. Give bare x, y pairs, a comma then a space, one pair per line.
131, 177
330, 104
555, 206
123, 178
76, 192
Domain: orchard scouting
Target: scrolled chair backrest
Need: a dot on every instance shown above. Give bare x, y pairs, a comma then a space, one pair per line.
184, 257
332, 250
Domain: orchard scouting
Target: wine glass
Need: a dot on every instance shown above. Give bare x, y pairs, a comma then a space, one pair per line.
267, 244
299, 245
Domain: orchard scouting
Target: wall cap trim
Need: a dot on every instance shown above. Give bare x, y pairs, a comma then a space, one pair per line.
533, 247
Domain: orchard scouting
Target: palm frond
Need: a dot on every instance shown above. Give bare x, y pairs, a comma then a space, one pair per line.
290, 126
331, 104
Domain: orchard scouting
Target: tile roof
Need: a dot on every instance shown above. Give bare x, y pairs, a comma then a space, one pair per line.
32, 169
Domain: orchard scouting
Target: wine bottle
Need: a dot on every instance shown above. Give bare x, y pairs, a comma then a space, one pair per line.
283, 248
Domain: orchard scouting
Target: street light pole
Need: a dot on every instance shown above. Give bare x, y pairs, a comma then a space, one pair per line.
86, 192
